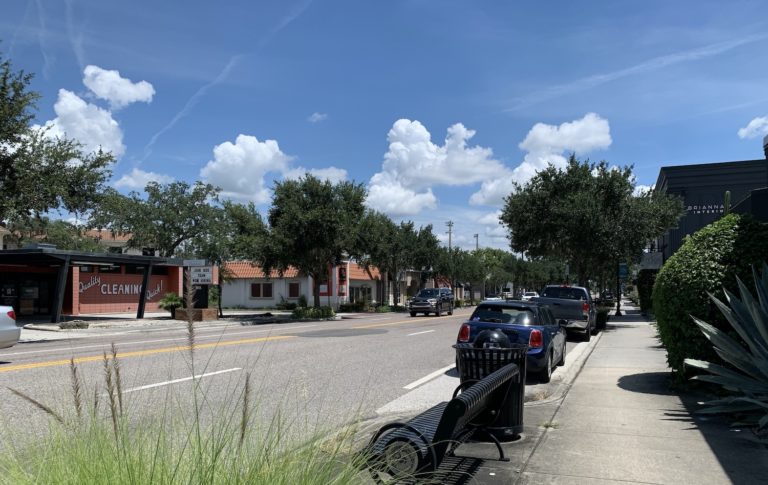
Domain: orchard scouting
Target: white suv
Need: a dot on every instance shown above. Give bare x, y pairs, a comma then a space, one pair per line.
9, 332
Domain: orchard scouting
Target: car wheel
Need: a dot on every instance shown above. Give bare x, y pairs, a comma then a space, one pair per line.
439, 311
413, 314
587, 334
546, 373
450, 310
561, 362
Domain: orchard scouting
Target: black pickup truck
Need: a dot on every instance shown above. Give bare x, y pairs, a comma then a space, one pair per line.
574, 305
432, 300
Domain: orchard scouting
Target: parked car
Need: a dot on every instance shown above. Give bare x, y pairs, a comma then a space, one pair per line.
492, 297
523, 323
9, 332
432, 300
572, 304
528, 295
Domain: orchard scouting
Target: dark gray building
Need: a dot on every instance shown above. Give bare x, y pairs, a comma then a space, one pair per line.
703, 187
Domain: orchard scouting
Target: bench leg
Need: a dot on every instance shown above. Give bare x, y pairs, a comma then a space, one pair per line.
496, 442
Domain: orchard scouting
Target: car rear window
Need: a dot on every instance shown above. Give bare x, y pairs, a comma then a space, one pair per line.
428, 292
500, 314
565, 293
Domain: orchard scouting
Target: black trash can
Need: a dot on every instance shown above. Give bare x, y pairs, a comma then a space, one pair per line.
476, 363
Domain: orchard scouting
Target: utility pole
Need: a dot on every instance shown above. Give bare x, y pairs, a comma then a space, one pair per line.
477, 242
450, 251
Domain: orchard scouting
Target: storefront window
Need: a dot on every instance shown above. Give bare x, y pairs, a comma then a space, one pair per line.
293, 290
109, 269
261, 290
86, 269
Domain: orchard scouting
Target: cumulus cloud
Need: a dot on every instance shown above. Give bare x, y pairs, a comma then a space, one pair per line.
87, 123
490, 218
755, 128
117, 90
414, 164
546, 144
317, 117
137, 179
641, 189
239, 168
332, 174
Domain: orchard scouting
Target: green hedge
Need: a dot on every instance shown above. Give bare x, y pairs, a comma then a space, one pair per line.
707, 261
358, 306
645, 280
313, 313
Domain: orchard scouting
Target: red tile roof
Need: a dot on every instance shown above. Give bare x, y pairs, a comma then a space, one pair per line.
246, 270
357, 272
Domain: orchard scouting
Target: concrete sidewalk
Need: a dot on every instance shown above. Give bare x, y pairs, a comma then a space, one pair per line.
620, 423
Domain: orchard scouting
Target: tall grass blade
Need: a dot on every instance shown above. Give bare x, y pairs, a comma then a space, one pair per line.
77, 389
38, 405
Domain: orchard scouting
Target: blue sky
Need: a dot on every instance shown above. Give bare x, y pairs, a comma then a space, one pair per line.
436, 106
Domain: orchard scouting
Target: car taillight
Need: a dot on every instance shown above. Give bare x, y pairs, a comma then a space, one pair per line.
12, 314
585, 309
464, 333
536, 341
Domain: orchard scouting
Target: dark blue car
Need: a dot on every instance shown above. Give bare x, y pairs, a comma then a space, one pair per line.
523, 323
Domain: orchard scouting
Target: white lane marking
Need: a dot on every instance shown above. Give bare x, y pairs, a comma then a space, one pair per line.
176, 381
419, 333
138, 342
428, 378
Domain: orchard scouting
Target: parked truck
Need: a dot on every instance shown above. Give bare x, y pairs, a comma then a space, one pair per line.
573, 305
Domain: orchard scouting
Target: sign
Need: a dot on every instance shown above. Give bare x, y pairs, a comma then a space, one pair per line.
194, 262
201, 275
118, 286
623, 271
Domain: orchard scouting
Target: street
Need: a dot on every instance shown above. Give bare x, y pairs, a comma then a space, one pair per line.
321, 373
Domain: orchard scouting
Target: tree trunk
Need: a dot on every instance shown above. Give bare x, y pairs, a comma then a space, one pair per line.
221, 292
316, 292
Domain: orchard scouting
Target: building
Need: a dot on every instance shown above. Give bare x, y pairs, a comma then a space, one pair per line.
44, 282
245, 285
703, 187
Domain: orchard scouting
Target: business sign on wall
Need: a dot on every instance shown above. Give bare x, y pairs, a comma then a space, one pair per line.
201, 275
119, 288
717, 208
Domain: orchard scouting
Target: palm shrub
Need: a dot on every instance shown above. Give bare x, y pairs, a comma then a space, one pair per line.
170, 302
747, 381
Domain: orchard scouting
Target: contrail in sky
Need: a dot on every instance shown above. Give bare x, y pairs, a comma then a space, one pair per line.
650, 65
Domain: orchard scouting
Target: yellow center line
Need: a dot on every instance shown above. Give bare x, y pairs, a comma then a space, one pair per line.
138, 353
410, 320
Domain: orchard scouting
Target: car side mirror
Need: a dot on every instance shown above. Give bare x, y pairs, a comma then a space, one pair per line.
562, 322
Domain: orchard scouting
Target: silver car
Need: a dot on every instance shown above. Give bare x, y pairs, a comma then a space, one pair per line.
9, 332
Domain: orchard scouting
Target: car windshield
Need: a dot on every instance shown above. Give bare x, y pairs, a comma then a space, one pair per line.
565, 293
429, 293
500, 314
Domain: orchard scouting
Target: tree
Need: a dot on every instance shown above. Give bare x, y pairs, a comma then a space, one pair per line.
39, 173
169, 216
62, 234
585, 215
313, 224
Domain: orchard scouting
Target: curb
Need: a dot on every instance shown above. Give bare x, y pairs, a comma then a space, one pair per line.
572, 369
43, 328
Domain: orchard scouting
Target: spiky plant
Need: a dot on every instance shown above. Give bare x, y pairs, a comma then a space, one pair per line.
748, 380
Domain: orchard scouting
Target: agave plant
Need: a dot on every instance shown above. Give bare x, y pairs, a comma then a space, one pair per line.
748, 380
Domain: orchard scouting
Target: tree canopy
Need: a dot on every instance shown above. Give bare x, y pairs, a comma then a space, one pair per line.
313, 224
586, 215
40, 173
170, 215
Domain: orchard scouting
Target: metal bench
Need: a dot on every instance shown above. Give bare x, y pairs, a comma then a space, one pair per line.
407, 450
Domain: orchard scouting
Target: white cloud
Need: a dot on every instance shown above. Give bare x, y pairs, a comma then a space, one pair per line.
490, 219
92, 126
755, 128
641, 189
138, 179
317, 117
332, 174
239, 168
117, 90
391, 197
414, 164
545, 144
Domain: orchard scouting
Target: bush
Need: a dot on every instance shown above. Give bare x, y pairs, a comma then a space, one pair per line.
383, 309
286, 305
708, 260
303, 301
357, 306
645, 280
458, 303
213, 296
313, 313
73, 324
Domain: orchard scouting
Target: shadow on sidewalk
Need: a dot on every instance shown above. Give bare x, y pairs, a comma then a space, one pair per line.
647, 383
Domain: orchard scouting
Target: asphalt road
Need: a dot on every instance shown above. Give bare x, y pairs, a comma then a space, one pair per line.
316, 374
